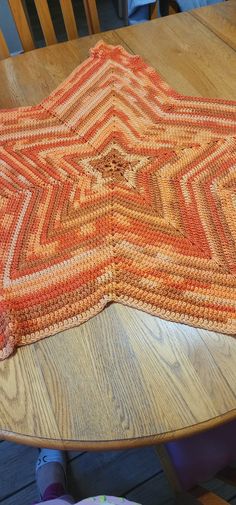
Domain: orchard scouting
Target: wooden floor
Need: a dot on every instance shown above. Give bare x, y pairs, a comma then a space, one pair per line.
135, 474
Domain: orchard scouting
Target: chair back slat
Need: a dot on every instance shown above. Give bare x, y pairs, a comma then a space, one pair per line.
46, 21
92, 16
69, 19
22, 26
4, 53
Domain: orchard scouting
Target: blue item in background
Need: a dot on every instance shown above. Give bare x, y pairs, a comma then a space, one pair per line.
138, 10
186, 5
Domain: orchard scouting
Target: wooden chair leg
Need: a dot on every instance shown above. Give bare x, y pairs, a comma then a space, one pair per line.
169, 469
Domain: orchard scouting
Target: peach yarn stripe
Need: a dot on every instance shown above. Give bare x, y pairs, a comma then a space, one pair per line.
116, 188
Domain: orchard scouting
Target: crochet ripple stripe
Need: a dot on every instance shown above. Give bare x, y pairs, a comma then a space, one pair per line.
116, 188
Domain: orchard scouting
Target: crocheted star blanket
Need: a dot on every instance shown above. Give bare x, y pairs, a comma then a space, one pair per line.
116, 188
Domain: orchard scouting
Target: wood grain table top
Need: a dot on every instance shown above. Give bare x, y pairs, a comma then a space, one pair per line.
127, 378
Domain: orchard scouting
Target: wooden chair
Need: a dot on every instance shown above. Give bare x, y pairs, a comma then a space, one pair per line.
24, 30
197, 459
166, 7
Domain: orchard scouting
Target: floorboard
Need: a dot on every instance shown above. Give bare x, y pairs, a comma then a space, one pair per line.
224, 490
155, 491
112, 473
16, 467
116, 472
135, 474
25, 496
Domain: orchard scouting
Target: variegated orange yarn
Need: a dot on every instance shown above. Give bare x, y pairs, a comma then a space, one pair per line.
116, 188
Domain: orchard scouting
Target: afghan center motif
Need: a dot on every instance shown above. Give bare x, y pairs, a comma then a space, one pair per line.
116, 188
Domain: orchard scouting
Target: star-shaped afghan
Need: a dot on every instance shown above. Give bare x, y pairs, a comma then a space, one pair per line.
116, 188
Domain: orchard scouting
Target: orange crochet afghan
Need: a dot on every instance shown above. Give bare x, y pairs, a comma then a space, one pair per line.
116, 188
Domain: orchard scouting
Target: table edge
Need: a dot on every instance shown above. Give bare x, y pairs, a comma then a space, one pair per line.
129, 443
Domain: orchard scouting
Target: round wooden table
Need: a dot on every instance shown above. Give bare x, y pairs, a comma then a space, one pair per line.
124, 378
